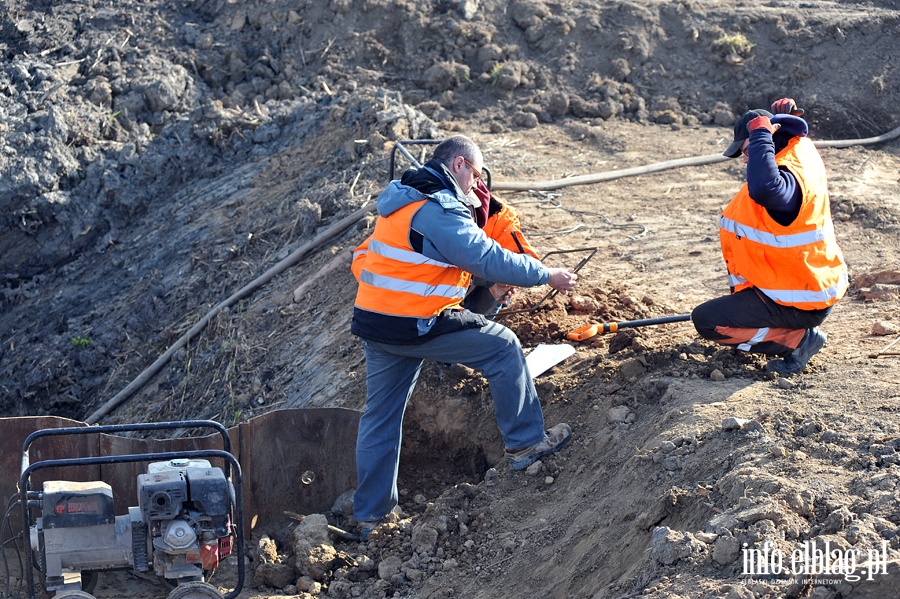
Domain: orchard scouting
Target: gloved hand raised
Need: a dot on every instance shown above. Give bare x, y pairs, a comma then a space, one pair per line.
762, 122
786, 106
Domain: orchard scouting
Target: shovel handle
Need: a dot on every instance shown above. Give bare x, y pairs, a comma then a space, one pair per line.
591, 330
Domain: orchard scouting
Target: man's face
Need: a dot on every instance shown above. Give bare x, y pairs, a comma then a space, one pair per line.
745, 155
467, 172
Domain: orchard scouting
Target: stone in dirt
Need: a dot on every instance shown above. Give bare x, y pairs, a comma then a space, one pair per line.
156, 157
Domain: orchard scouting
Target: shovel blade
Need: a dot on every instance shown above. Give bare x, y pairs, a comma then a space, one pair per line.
544, 357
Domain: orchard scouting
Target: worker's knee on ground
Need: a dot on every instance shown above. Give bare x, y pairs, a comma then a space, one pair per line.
703, 318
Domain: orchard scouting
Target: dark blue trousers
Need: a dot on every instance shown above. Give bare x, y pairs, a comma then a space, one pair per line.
751, 321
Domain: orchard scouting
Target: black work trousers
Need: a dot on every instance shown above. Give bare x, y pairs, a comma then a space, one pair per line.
751, 321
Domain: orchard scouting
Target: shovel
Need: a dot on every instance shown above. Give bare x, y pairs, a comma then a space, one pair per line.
586, 332
544, 357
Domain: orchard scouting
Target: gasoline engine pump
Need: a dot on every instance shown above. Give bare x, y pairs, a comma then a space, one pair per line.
188, 519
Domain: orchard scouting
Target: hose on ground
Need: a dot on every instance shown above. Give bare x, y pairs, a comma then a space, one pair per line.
662, 166
347, 222
295, 256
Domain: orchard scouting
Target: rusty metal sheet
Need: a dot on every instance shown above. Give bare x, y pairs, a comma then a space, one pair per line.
275, 451
14, 431
280, 447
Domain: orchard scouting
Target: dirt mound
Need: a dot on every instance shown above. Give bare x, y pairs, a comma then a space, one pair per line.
258, 123
157, 158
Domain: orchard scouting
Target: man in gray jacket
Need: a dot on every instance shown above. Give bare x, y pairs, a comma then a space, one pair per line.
413, 273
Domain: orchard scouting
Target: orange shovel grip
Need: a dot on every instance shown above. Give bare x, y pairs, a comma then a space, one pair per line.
591, 330
585, 332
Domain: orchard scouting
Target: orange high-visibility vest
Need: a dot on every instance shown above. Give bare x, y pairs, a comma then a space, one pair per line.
503, 227
398, 281
797, 265
359, 258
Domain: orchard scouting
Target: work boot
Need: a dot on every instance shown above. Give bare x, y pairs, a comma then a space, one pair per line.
554, 440
364, 529
795, 361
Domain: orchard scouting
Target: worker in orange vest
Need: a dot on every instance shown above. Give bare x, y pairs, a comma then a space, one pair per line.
785, 268
500, 222
414, 274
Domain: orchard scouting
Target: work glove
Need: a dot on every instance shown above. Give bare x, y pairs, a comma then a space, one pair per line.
786, 106
762, 122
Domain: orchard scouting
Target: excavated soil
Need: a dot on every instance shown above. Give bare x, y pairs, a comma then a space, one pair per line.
158, 158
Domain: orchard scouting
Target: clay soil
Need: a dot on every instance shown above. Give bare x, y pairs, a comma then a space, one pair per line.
157, 157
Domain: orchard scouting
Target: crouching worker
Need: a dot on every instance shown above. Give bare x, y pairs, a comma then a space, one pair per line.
785, 267
413, 274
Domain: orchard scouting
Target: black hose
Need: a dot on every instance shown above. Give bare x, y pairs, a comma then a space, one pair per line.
11, 503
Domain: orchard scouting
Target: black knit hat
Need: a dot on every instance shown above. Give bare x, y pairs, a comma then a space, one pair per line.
741, 133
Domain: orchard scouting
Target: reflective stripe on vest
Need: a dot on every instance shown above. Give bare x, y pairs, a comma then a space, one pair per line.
827, 296
777, 241
401, 255
391, 284
736, 280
